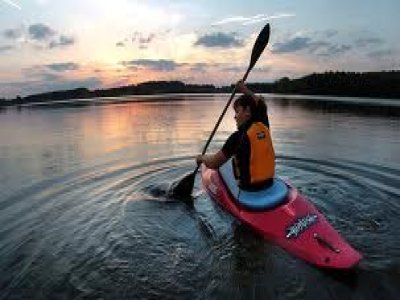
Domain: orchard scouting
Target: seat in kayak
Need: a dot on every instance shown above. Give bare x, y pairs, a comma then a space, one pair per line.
260, 200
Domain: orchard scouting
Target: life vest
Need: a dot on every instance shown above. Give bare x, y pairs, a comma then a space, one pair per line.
254, 162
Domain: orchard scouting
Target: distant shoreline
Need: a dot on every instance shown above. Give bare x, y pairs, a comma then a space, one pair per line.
385, 84
354, 105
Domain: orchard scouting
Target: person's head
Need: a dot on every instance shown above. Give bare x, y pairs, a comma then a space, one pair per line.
245, 108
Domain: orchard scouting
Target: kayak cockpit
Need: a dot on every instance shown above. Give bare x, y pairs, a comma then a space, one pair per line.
267, 198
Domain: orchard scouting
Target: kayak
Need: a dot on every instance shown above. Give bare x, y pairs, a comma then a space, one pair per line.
282, 215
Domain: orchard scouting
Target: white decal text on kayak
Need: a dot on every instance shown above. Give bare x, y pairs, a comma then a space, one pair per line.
300, 225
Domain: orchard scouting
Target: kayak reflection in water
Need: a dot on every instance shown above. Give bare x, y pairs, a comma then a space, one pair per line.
250, 145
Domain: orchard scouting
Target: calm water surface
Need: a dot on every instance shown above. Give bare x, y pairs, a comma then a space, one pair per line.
83, 212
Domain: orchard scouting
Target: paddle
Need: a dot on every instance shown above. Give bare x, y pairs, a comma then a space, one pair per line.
183, 188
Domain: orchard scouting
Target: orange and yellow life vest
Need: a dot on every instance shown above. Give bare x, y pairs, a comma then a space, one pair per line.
254, 164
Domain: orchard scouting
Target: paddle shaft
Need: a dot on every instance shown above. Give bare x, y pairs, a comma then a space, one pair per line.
221, 117
184, 187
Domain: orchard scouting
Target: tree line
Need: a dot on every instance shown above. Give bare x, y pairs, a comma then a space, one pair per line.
385, 84
352, 84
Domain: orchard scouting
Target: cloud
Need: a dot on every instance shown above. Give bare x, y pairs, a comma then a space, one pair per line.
184, 69
331, 50
42, 78
13, 33
330, 43
232, 69
59, 84
49, 77
40, 32
304, 43
62, 67
40, 35
41, 74
199, 67
51, 82
50, 72
163, 65
381, 53
235, 19
370, 41
90, 83
330, 33
6, 48
143, 40
262, 70
219, 40
12, 3
62, 41
241, 69
251, 19
292, 45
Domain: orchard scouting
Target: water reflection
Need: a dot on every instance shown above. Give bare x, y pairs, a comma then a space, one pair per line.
82, 212
373, 107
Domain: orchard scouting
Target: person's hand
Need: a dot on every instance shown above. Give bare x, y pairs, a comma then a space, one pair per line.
199, 159
241, 87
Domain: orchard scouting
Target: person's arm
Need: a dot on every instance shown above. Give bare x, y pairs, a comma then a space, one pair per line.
212, 161
261, 106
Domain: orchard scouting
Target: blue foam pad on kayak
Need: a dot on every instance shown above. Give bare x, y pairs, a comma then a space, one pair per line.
260, 200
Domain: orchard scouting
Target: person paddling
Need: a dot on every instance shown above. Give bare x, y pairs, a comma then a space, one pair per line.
250, 145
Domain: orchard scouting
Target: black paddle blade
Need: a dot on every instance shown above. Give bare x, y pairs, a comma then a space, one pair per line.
259, 45
182, 188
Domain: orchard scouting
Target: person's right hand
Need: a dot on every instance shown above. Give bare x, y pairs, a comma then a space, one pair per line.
241, 87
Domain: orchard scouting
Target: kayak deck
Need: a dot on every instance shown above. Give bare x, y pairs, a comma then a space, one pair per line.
274, 195
296, 225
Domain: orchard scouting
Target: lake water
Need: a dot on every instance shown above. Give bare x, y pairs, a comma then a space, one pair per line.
83, 211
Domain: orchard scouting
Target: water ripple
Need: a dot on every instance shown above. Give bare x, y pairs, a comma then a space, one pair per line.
110, 231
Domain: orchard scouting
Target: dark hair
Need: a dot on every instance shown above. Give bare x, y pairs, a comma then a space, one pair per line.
245, 101
258, 111
261, 110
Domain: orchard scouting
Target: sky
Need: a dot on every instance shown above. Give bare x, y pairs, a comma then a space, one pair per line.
48, 45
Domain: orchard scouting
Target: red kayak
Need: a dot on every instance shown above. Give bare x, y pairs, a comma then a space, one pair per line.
283, 216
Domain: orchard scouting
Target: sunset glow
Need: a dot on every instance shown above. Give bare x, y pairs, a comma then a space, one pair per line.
48, 45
